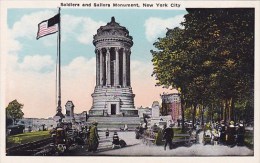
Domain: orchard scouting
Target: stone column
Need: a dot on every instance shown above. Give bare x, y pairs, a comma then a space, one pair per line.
101, 66
108, 67
117, 67
124, 67
128, 69
97, 67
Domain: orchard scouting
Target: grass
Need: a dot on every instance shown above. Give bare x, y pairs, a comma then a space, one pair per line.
15, 140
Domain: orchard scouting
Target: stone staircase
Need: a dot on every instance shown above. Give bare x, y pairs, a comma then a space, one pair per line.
114, 122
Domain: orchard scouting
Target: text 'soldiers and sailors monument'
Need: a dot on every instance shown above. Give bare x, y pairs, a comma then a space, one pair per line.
113, 94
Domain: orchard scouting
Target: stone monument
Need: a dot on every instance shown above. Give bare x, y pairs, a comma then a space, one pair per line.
113, 94
155, 109
69, 107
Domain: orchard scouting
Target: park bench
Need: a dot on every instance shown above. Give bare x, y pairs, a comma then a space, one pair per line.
183, 138
148, 140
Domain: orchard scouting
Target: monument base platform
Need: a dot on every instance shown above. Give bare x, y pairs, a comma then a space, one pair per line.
122, 113
113, 101
115, 122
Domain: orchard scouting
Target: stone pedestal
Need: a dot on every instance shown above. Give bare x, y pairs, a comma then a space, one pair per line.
111, 101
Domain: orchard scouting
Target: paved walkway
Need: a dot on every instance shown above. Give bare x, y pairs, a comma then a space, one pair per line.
135, 147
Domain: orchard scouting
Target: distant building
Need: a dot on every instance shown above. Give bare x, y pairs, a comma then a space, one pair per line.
37, 123
146, 110
171, 105
80, 117
69, 107
155, 109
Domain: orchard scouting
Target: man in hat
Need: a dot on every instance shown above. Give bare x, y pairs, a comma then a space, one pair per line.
168, 135
231, 134
222, 136
240, 134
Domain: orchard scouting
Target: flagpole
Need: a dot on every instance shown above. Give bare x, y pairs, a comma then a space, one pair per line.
59, 108
59, 97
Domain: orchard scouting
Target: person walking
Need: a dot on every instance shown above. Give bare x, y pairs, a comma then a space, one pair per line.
240, 135
231, 134
167, 136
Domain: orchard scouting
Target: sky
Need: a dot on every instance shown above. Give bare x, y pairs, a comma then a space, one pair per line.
30, 72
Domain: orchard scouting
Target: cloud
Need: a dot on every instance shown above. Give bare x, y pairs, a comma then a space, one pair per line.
12, 45
37, 90
89, 28
81, 29
155, 27
37, 63
143, 84
27, 26
78, 82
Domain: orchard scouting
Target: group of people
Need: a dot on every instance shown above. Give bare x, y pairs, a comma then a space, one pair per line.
92, 138
230, 134
68, 133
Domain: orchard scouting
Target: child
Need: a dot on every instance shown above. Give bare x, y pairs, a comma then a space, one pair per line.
115, 139
118, 143
107, 133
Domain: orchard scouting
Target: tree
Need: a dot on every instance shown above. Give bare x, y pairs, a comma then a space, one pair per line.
211, 60
14, 111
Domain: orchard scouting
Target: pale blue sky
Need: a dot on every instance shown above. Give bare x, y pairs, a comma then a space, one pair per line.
133, 20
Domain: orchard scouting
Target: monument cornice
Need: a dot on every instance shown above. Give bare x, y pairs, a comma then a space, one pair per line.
112, 39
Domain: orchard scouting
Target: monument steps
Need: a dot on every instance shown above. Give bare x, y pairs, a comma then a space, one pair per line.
116, 122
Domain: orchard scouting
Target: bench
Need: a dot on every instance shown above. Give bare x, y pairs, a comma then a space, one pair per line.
186, 139
148, 140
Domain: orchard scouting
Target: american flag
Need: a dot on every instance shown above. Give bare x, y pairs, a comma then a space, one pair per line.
48, 27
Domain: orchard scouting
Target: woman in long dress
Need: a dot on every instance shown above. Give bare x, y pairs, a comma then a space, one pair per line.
93, 138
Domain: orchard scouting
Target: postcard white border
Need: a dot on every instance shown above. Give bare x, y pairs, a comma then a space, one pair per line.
4, 5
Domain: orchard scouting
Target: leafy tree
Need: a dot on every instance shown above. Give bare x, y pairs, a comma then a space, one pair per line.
14, 111
211, 60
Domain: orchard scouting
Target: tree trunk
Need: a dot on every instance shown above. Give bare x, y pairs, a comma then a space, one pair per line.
194, 114
182, 114
232, 115
226, 111
202, 115
221, 111
212, 112
229, 107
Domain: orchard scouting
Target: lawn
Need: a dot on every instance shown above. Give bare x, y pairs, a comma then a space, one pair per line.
15, 140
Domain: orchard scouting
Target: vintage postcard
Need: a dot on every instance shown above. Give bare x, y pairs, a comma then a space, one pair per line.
119, 80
